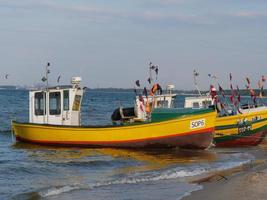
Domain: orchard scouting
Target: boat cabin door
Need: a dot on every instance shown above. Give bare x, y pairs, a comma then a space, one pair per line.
71, 103
66, 114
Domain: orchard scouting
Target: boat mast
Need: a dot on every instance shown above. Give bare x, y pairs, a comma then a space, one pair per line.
195, 82
45, 79
150, 74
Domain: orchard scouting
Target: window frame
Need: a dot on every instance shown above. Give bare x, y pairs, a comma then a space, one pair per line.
196, 103
57, 110
68, 100
39, 106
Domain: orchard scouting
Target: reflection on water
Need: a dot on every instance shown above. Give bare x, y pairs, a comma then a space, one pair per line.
153, 159
35, 171
60, 170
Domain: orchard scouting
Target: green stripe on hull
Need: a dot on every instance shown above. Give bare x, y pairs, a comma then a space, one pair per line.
241, 135
236, 125
162, 114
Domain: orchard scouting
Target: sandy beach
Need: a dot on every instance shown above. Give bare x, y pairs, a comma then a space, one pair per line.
246, 183
247, 186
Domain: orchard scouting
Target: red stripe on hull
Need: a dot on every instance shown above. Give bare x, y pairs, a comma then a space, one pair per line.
252, 140
194, 140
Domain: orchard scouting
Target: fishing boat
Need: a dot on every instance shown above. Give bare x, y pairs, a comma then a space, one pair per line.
54, 119
235, 126
240, 125
247, 128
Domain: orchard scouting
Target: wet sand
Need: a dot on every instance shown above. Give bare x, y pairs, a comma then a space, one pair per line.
246, 182
247, 186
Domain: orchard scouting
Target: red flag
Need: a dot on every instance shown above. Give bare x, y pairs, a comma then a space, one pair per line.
252, 93
221, 90
137, 83
263, 78
213, 91
238, 94
232, 98
231, 86
248, 81
145, 92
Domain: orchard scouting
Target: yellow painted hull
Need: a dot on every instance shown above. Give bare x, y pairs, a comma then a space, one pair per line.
169, 133
241, 130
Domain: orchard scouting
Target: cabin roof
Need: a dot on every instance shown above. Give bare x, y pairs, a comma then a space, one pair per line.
60, 87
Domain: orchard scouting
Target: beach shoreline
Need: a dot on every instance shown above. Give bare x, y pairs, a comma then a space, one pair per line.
245, 182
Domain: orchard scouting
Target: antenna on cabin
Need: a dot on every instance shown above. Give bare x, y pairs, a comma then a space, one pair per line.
45, 79
196, 74
76, 81
58, 79
47, 71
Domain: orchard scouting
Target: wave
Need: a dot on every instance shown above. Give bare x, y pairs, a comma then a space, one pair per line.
188, 193
91, 163
141, 178
58, 190
5, 131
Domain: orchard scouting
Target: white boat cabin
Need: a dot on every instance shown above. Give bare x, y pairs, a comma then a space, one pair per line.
198, 102
59, 105
143, 106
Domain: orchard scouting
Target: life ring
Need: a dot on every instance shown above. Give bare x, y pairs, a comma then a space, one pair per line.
154, 89
148, 108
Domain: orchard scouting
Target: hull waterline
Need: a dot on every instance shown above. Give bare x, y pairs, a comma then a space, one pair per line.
194, 140
241, 140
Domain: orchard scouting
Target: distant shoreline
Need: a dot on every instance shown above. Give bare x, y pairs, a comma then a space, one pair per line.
243, 92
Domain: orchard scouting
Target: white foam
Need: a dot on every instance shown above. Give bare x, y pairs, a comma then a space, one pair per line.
232, 165
58, 190
188, 193
165, 175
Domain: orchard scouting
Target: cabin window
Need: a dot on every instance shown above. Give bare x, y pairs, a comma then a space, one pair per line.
77, 103
206, 103
66, 100
162, 104
195, 105
39, 103
54, 103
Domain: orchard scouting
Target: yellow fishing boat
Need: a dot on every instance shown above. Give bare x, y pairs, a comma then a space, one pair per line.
186, 130
55, 120
235, 126
246, 129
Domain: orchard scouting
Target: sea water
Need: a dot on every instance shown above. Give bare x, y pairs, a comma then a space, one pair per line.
30, 171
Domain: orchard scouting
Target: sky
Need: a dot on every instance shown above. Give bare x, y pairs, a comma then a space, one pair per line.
110, 43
